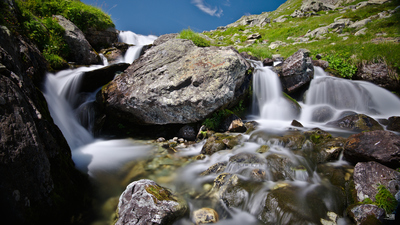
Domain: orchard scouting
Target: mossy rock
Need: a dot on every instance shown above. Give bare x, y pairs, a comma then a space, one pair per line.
317, 136
220, 142
357, 122
215, 169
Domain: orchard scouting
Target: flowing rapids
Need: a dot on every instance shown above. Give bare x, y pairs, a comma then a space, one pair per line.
113, 164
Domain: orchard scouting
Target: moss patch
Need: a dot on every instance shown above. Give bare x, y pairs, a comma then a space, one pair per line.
159, 193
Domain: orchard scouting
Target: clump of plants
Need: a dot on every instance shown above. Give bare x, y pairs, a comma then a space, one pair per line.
383, 199
197, 39
342, 65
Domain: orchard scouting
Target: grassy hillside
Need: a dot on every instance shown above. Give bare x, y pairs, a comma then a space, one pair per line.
379, 43
34, 20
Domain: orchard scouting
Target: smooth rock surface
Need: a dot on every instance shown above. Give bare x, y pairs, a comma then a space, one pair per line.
177, 83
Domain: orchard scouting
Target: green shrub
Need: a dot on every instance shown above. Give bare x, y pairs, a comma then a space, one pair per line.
385, 199
214, 122
195, 37
340, 63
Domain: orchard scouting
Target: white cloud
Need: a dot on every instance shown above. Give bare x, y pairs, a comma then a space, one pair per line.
212, 11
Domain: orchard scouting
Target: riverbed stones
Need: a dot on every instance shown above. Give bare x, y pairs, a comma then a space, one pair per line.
145, 202
177, 83
380, 146
82, 52
205, 216
297, 71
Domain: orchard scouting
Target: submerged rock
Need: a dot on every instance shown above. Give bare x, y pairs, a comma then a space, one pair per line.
220, 142
379, 146
176, 82
205, 216
357, 122
145, 202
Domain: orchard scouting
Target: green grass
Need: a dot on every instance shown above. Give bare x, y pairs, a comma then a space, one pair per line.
195, 37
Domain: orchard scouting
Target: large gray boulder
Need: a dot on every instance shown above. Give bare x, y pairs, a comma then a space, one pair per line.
81, 52
297, 71
145, 202
100, 39
176, 82
318, 5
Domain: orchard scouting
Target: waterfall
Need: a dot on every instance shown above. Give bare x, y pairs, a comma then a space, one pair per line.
88, 153
138, 41
341, 95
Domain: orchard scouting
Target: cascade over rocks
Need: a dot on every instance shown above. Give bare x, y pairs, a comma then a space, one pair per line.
145, 202
297, 71
116, 52
176, 82
380, 146
81, 52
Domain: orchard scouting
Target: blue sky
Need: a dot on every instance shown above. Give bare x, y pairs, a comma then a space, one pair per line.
171, 16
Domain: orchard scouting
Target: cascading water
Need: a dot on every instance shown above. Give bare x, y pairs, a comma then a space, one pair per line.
88, 153
286, 173
138, 41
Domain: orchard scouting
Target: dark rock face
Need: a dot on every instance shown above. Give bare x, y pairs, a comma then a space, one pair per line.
297, 71
368, 175
39, 183
145, 202
394, 123
100, 39
357, 122
378, 74
177, 83
379, 146
188, 133
321, 63
360, 213
81, 51
233, 124
94, 79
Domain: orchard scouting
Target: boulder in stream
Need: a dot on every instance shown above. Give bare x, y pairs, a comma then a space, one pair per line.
379, 146
297, 71
357, 122
145, 202
176, 82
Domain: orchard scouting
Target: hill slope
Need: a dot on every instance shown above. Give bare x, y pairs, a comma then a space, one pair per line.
345, 32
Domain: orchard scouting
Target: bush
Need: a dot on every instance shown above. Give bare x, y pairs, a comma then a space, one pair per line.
339, 63
195, 37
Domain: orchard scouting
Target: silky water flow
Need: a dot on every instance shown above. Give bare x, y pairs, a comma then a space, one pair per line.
290, 191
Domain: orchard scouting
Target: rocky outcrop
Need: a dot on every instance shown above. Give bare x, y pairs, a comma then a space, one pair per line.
361, 213
252, 20
297, 71
39, 183
317, 5
145, 202
177, 83
100, 39
379, 146
81, 52
379, 74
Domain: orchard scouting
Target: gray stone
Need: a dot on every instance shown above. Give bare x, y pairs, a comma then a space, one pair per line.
100, 39
379, 74
359, 213
359, 24
317, 32
368, 175
81, 52
363, 31
177, 83
145, 202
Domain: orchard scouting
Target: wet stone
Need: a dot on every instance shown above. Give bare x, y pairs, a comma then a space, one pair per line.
205, 216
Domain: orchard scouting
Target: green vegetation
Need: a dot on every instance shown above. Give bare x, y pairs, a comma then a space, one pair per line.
340, 63
215, 121
385, 199
195, 37
36, 22
344, 54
